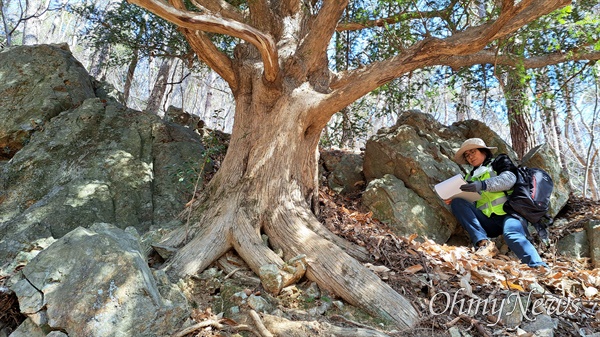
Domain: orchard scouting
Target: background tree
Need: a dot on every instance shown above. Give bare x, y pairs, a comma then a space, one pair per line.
133, 35
22, 14
285, 94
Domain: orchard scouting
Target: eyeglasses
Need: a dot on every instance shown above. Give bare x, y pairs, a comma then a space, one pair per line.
470, 153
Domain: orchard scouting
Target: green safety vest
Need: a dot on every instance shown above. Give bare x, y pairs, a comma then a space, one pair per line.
490, 202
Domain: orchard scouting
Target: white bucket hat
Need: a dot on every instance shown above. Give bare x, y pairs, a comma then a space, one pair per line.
469, 144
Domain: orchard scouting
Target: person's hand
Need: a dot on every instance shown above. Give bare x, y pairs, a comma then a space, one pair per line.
476, 186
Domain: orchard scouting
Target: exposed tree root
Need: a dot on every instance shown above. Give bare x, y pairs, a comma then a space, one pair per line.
288, 226
259, 324
333, 269
215, 324
283, 327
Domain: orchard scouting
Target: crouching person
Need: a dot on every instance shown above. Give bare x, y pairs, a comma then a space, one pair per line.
493, 178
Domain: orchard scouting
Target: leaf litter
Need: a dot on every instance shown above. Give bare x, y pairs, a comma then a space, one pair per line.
425, 271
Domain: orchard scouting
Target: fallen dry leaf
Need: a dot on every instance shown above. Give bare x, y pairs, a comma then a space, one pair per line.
413, 269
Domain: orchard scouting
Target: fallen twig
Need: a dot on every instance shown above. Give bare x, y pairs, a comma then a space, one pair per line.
259, 324
198, 326
215, 324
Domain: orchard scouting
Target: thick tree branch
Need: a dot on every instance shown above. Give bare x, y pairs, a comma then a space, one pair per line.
314, 46
491, 57
262, 15
207, 52
356, 83
221, 8
213, 24
211, 56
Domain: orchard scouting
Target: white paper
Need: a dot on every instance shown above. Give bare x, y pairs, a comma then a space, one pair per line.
450, 189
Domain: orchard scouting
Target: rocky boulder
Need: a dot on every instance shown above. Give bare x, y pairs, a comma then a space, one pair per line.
89, 159
99, 162
343, 170
403, 210
96, 282
418, 151
544, 157
86, 159
36, 84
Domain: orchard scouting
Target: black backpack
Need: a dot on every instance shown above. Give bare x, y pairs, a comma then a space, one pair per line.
530, 199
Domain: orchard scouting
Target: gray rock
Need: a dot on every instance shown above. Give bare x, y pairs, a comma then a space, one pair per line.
544, 157
574, 245
39, 82
28, 329
345, 171
403, 210
259, 303
542, 326
96, 282
313, 291
97, 163
271, 278
57, 334
513, 310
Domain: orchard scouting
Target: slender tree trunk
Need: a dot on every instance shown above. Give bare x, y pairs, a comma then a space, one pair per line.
561, 133
347, 138
464, 105
549, 117
210, 77
591, 152
160, 87
5, 26
129, 79
98, 61
519, 117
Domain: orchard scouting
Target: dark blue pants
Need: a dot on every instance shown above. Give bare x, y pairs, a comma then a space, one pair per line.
481, 227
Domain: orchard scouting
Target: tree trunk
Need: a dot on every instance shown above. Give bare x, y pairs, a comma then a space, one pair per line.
519, 117
130, 72
347, 138
549, 117
160, 87
267, 184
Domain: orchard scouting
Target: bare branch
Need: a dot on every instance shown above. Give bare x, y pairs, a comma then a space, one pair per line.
355, 83
404, 16
213, 24
490, 57
314, 47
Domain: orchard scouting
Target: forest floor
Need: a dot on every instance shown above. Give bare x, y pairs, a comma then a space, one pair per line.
441, 281
435, 278
425, 272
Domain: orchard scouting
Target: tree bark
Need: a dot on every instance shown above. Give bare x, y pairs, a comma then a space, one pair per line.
519, 117
160, 87
266, 185
129, 79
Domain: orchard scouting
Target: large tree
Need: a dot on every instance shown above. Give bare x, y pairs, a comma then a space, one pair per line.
285, 94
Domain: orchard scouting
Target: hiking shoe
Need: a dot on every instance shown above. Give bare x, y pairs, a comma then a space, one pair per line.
488, 249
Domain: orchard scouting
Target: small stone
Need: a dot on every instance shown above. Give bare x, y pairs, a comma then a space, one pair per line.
454, 332
258, 303
313, 291
271, 278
